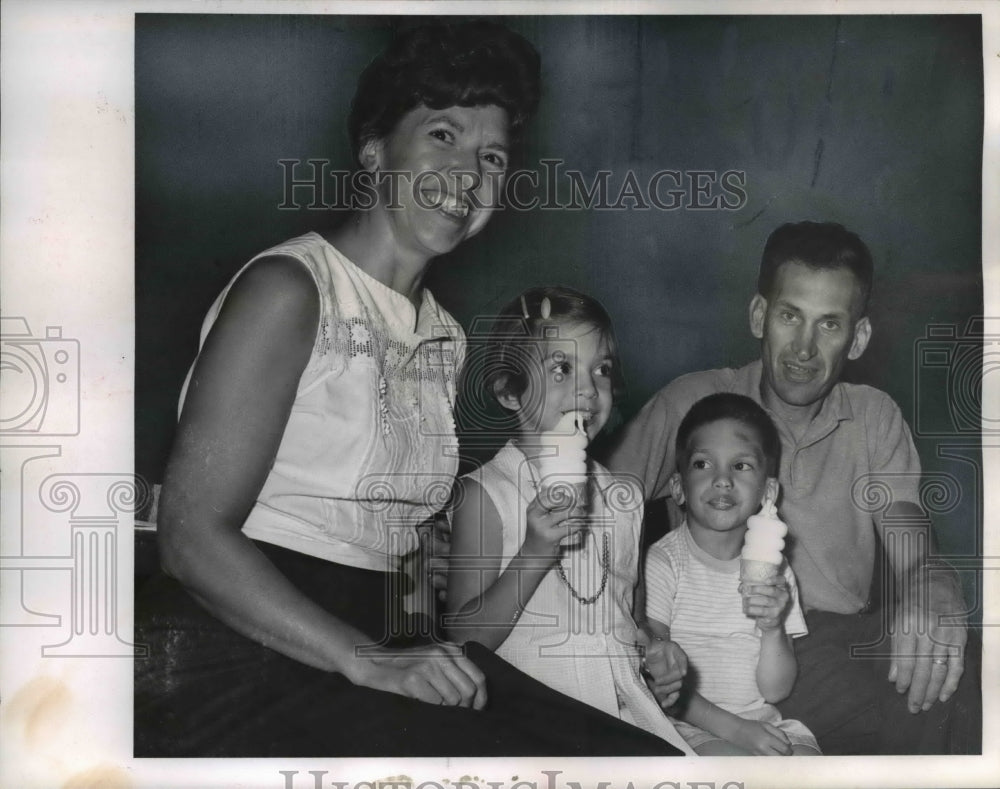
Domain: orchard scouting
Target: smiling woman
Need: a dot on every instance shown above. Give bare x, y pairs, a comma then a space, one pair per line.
315, 425
439, 174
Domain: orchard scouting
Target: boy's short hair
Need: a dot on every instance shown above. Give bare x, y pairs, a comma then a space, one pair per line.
727, 405
819, 245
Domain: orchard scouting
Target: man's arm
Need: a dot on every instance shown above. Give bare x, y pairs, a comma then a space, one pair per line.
930, 631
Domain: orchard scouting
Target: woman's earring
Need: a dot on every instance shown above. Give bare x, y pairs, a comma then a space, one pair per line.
369, 158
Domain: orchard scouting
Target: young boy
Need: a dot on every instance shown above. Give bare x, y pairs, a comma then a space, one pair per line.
735, 640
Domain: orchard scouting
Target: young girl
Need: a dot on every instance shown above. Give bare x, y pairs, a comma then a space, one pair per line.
550, 585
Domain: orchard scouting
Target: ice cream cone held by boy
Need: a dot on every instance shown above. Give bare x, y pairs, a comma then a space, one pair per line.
761, 557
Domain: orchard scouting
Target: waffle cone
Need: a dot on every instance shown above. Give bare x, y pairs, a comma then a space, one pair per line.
753, 570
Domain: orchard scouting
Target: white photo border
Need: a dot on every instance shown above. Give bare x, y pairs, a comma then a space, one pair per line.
67, 252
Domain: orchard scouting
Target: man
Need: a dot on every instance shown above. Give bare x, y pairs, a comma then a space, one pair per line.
849, 478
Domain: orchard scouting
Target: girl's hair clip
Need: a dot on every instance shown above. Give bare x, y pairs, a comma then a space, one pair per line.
546, 309
524, 307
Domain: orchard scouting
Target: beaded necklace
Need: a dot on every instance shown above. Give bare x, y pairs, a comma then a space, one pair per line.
603, 560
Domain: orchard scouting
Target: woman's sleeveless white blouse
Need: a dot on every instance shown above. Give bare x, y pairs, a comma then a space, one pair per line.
370, 450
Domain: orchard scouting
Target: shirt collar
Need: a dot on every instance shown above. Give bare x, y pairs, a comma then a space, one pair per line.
432, 322
426, 322
703, 556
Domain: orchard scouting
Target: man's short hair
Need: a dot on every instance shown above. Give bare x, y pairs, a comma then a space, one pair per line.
740, 408
819, 245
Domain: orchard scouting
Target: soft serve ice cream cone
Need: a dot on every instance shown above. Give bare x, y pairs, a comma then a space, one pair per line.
562, 470
760, 560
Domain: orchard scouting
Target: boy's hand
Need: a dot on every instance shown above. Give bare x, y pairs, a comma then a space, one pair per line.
767, 603
664, 666
547, 528
762, 739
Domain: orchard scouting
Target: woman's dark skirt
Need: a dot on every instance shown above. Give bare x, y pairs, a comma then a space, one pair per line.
206, 691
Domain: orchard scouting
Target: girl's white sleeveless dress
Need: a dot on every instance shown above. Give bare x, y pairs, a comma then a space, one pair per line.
586, 651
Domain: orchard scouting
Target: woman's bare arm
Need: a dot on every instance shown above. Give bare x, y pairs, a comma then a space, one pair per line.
237, 406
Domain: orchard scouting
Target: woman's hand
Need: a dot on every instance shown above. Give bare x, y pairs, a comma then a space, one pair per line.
761, 738
548, 528
767, 603
436, 674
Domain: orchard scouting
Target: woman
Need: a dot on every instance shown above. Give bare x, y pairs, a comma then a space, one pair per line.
314, 421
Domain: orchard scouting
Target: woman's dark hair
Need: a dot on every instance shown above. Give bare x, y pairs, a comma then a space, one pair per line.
536, 314
467, 64
819, 245
726, 405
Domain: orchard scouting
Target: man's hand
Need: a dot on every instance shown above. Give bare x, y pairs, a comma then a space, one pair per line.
928, 643
928, 655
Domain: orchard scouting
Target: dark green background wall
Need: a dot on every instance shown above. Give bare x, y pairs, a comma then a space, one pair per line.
872, 121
